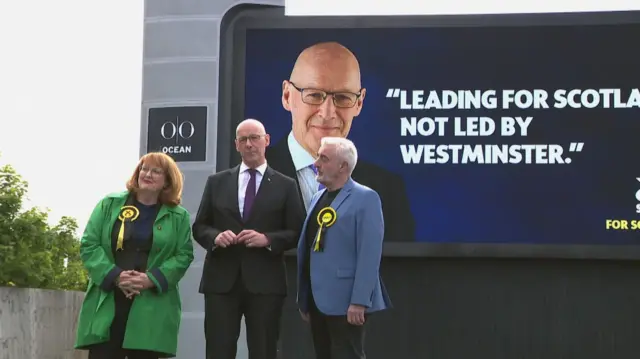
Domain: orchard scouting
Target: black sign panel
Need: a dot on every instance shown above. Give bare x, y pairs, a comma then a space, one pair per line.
180, 132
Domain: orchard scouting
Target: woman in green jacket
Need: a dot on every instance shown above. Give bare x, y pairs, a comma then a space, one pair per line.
136, 247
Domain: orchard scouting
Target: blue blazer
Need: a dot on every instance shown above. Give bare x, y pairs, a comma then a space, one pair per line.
348, 270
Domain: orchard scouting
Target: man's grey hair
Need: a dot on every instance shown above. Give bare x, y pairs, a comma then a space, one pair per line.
345, 149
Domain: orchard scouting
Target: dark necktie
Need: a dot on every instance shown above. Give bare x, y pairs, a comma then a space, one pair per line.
249, 194
315, 170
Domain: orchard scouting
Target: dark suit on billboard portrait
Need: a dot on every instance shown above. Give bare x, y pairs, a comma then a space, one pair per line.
288, 157
239, 280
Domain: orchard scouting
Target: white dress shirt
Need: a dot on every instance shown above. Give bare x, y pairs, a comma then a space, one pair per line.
302, 161
243, 182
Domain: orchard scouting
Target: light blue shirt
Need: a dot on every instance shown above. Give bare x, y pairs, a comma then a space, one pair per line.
302, 161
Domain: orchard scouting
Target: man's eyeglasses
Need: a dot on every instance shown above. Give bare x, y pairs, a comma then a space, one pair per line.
342, 99
253, 138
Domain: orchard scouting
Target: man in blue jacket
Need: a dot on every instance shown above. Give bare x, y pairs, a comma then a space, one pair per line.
339, 255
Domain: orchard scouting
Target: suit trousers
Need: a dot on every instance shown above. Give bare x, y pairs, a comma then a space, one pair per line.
113, 348
223, 315
333, 336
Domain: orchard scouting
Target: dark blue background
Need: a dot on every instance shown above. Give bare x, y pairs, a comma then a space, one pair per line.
545, 204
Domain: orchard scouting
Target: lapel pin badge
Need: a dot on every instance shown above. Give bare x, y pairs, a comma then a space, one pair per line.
159, 227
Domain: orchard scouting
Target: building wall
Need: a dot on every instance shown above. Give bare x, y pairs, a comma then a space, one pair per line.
39, 324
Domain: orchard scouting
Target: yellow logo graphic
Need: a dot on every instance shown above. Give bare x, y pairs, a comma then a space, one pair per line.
127, 214
326, 218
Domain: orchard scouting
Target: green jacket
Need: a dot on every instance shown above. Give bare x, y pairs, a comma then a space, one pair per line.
155, 314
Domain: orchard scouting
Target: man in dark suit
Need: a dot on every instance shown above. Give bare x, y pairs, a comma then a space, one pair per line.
249, 215
339, 256
324, 94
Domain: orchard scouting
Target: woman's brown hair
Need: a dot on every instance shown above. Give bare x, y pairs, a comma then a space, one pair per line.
172, 193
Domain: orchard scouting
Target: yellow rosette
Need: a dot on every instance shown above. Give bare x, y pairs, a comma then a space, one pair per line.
326, 218
127, 214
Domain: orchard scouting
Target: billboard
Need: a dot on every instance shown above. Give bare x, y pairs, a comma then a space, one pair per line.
505, 132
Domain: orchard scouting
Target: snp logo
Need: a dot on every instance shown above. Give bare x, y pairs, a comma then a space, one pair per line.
638, 197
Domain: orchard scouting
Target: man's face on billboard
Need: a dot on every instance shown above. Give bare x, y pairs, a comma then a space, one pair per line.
323, 95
